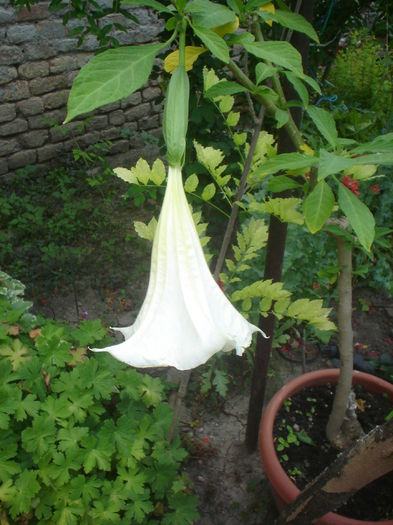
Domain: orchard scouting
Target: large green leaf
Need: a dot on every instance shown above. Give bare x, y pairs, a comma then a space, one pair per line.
158, 6
280, 53
224, 87
110, 76
318, 206
299, 87
359, 216
209, 14
325, 124
291, 21
213, 42
329, 164
383, 157
382, 143
285, 161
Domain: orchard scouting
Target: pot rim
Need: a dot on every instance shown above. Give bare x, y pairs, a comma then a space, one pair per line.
278, 478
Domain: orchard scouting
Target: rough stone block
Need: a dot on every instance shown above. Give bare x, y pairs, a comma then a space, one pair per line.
18, 90
10, 55
51, 30
89, 138
18, 125
70, 77
7, 74
151, 93
8, 146
61, 133
3, 166
31, 70
6, 15
47, 120
64, 45
83, 58
63, 63
36, 12
39, 86
132, 100
117, 118
34, 139
20, 33
55, 100
7, 112
21, 159
137, 112
50, 151
119, 146
31, 106
149, 122
38, 51
98, 122
109, 107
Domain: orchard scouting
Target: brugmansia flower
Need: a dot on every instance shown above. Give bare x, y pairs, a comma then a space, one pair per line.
185, 317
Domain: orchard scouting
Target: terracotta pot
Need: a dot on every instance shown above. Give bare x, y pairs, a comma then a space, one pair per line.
284, 490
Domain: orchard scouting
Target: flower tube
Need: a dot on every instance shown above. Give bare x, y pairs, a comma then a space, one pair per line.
185, 317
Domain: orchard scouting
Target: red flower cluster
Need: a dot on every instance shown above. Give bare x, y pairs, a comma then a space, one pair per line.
351, 184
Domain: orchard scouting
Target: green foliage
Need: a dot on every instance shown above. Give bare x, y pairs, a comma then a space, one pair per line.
83, 438
361, 77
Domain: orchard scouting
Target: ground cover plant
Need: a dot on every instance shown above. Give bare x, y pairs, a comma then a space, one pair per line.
83, 440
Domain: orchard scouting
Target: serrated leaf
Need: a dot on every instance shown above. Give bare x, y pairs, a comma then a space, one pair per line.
126, 175
359, 216
208, 192
280, 53
318, 206
239, 138
233, 118
146, 231
110, 76
158, 172
325, 124
191, 183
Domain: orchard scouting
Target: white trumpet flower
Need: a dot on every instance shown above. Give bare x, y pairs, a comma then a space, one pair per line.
185, 317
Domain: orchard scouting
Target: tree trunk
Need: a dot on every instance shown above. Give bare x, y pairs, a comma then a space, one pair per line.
366, 460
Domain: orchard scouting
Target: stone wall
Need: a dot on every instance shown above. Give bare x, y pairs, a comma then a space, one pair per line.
38, 62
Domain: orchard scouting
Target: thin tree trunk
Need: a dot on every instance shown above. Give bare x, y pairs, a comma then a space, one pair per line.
366, 460
345, 343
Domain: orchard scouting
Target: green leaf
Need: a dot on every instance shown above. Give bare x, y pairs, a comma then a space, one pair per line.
285, 162
209, 14
146, 231
88, 332
318, 206
191, 183
213, 42
359, 216
208, 192
233, 118
151, 3
8, 467
325, 124
281, 183
264, 71
330, 163
110, 76
312, 83
292, 21
281, 117
299, 87
185, 510
40, 436
280, 53
16, 352
224, 87
221, 381
26, 488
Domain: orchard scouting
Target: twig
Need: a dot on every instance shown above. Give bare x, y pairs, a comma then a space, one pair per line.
181, 394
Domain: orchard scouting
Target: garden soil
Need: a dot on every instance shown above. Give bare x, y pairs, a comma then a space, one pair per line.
230, 482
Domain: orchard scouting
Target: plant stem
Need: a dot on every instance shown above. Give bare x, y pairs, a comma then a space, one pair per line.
181, 394
240, 192
345, 339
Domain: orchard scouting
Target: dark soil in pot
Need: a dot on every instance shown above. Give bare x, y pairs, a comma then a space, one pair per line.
304, 451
